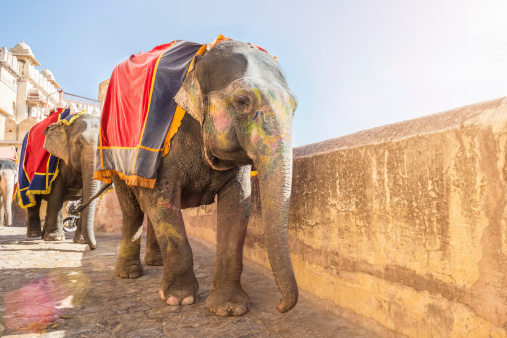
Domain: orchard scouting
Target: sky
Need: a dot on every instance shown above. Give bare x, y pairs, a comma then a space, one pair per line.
352, 65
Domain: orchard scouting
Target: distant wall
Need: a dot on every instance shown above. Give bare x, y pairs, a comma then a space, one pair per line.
108, 216
404, 225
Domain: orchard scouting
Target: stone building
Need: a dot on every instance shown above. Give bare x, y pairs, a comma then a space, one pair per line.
24, 91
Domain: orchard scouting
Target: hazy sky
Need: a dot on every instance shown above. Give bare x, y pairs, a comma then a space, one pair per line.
352, 64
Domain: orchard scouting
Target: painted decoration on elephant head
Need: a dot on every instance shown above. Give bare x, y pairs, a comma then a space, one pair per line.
267, 123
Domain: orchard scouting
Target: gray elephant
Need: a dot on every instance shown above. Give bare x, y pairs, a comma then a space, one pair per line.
75, 145
239, 112
8, 179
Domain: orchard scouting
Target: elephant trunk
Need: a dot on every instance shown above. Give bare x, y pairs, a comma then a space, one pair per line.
90, 188
275, 180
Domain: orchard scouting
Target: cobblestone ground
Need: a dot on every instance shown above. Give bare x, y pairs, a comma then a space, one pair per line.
62, 289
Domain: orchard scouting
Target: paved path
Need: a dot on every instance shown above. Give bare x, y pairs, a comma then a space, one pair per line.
62, 289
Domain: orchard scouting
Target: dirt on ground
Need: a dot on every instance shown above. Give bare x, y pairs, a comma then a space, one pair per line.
62, 289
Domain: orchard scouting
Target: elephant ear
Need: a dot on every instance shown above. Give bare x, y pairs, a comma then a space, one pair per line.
190, 98
56, 142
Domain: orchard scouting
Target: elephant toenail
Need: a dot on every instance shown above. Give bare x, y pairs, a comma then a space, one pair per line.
172, 301
241, 309
188, 300
222, 312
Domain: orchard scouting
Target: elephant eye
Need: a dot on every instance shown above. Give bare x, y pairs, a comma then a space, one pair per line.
79, 146
241, 102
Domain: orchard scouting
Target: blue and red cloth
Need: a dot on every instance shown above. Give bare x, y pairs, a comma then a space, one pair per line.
38, 168
140, 116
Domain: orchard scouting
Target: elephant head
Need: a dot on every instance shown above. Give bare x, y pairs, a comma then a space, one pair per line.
76, 144
240, 97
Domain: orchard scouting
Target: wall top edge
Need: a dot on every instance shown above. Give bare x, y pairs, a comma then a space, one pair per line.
450, 119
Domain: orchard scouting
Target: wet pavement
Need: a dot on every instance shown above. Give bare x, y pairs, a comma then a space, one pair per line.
62, 289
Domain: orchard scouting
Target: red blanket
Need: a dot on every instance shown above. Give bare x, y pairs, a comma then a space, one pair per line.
128, 98
38, 168
140, 115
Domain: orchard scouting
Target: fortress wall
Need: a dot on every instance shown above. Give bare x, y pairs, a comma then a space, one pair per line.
403, 225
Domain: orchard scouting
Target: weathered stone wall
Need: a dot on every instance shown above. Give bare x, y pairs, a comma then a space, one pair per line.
404, 225
24, 126
108, 216
11, 130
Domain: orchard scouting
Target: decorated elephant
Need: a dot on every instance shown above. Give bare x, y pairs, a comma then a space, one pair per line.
8, 179
239, 111
60, 169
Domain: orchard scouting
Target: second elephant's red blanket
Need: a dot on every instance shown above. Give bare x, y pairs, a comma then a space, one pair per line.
38, 168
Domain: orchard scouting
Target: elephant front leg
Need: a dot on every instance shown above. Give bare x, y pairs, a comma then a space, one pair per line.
179, 285
153, 254
78, 235
227, 297
7, 192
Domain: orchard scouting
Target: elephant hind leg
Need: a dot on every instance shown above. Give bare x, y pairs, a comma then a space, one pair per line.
33, 227
3, 214
129, 260
7, 183
153, 254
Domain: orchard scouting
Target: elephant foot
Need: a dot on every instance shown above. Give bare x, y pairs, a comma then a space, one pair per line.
180, 292
128, 268
33, 233
78, 238
54, 236
153, 259
228, 302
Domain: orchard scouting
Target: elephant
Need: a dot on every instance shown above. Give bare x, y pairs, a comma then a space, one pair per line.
239, 112
8, 179
74, 144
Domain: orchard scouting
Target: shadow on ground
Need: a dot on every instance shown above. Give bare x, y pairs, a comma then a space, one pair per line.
62, 289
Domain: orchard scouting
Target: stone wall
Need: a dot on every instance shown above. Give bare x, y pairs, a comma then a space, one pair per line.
403, 225
24, 126
108, 216
10, 130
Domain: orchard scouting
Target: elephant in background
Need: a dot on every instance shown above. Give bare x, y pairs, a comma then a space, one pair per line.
8, 179
75, 145
239, 112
